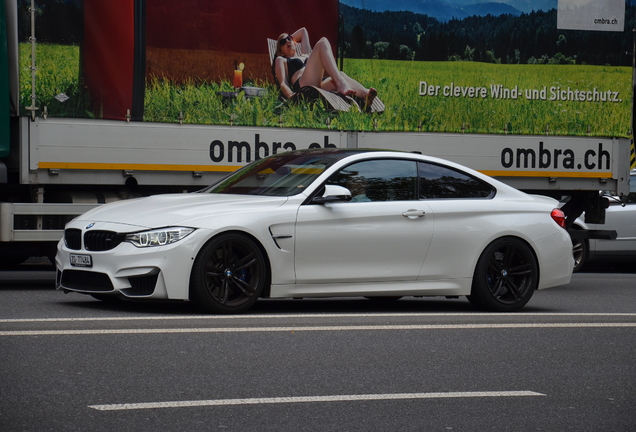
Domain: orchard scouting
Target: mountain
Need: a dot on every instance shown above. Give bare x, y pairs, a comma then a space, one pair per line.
525, 6
490, 8
439, 9
528, 6
447, 10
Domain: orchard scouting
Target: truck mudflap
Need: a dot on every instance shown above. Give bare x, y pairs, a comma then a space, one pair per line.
579, 234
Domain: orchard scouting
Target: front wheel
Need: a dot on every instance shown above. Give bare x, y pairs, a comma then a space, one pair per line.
505, 277
228, 274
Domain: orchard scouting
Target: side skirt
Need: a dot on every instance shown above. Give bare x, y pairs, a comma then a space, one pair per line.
447, 287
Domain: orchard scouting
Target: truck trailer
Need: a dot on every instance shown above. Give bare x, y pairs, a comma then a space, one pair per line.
111, 100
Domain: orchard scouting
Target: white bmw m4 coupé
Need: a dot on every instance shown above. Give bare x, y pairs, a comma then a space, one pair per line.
323, 223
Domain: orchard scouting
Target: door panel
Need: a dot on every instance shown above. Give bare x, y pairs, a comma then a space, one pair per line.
362, 241
382, 234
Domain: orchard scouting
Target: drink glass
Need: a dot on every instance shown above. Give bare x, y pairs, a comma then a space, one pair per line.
238, 78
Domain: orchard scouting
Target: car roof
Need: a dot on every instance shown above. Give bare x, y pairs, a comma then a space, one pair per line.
354, 154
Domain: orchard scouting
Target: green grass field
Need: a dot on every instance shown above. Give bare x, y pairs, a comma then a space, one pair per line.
398, 85
57, 73
406, 109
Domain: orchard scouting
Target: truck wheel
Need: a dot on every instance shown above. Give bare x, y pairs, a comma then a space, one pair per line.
228, 274
505, 277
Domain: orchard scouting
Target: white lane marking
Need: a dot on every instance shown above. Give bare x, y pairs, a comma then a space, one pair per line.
317, 315
305, 399
314, 328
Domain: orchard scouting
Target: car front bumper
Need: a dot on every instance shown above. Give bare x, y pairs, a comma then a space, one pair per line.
161, 272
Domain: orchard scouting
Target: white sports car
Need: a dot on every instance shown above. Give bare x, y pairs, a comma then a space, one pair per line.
323, 223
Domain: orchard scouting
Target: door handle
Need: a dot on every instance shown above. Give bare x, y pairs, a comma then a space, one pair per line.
414, 214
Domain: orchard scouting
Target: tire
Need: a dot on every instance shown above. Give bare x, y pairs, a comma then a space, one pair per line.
506, 276
228, 275
579, 253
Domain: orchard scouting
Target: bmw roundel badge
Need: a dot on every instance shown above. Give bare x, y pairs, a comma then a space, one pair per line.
90, 225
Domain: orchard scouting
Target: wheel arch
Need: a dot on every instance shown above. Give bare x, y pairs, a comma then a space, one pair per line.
268, 283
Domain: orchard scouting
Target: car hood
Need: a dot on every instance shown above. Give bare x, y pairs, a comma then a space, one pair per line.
176, 209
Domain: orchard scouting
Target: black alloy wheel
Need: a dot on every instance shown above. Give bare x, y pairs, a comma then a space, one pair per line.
506, 276
228, 275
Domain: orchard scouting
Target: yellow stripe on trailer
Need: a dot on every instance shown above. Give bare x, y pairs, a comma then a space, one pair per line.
559, 174
136, 167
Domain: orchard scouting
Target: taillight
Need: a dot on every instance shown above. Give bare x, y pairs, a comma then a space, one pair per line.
559, 217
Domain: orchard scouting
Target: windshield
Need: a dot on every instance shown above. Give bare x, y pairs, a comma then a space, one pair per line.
283, 174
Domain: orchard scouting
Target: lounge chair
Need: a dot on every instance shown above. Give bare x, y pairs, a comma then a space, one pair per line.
333, 100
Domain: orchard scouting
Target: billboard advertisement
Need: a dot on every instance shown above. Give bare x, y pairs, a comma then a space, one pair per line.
373, 65
599, 15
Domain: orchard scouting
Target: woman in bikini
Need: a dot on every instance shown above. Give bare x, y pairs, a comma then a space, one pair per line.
294, 72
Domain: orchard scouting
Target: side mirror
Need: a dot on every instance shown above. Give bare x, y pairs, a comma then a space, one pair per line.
333, 193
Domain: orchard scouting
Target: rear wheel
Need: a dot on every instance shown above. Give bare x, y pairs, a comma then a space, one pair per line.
228, 275
505, 277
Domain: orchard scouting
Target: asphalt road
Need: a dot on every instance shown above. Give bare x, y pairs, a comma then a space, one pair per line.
566, 362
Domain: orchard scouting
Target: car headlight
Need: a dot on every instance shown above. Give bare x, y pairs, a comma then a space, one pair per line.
158, 237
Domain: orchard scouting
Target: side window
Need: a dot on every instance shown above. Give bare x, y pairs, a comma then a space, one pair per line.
379, 180
437, 181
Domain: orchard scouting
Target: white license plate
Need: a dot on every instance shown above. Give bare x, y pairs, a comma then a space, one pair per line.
81, 260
